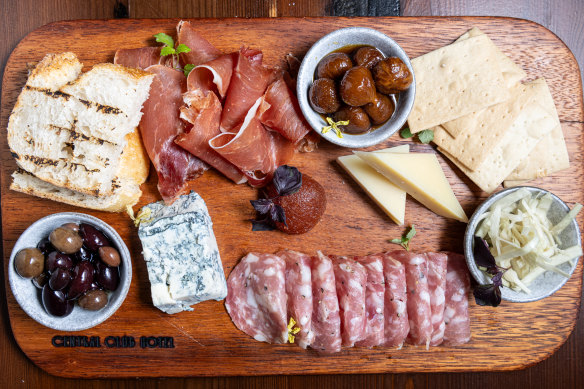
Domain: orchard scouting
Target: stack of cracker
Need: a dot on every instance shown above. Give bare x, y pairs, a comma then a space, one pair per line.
493, 127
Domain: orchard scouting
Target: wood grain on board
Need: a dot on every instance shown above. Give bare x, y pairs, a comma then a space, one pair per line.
206, 342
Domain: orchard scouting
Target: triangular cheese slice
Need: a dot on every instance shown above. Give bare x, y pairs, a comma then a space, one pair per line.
389, 197
420, 175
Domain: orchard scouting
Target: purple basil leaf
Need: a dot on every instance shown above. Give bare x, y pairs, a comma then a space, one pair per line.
497, 279
487, 295
482, 254
262, 225
287, 180
277, 214
263, 206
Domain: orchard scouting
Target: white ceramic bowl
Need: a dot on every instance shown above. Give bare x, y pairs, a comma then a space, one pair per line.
549, 282
341, 38
29, 297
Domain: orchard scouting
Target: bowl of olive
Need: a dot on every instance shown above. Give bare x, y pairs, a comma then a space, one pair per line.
70, 271
356, 87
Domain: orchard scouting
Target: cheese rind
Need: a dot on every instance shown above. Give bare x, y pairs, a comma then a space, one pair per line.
181, 253
386, 195
420, 175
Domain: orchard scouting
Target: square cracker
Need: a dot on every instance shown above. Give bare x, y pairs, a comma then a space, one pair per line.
480, 134
518, 141
456, 80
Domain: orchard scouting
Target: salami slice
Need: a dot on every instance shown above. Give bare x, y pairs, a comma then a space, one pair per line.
299, 292
456, 317
418, 303
351, 282
437, 287
397, 325
374, 301
326, 321
256, 297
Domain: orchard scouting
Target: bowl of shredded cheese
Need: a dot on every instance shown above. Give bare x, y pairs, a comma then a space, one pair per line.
533, 240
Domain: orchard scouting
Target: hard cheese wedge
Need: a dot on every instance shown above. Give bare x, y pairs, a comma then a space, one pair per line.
385, 194
420, 175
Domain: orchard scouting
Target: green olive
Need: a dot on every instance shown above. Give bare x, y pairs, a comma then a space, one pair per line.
29, 262
66, 240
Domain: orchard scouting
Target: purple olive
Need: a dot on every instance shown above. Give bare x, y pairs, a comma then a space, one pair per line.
55, 302
93, 239
60, 279
84, 255
40, 280
107, 276
56, 260
45, 246
82, 279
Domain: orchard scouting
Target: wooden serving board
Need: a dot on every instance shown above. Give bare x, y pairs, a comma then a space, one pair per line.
206, 343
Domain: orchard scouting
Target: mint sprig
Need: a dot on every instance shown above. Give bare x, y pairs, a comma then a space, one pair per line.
169, 49
425, 136
404, 241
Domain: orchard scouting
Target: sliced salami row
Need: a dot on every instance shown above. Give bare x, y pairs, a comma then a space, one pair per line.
376, 300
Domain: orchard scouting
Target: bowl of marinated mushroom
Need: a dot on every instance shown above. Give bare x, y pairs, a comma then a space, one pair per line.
356, 87
70, 271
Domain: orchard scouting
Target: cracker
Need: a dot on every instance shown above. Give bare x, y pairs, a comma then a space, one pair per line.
456, 80
519, 140
481, 133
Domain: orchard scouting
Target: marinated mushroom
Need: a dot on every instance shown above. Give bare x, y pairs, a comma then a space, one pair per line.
357, 87
380, 109
323, 96
358, 120
392, 76
333, 66
367, 56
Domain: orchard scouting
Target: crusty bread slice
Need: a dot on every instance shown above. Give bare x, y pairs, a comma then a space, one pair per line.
25, 182
74, 137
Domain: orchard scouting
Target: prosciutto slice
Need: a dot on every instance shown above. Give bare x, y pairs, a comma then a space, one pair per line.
255, 151
248, 83
201, 50
141, 58
214, 75
351, 282
256, 297
418, 303
203, 111
397, 325
456, 317
374, 301
326, 321
299, 292
159, 127
281, 112
437, 286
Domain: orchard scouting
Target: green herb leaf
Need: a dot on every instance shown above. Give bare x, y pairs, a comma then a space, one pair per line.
406, 133
187, 69
167, 51
165, 39
182, 48
405, 240
426, 136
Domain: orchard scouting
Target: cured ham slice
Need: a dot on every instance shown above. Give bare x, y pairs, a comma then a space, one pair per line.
418, 296
281, 112
397, 325
141, 58
456, 317
326, 321
214, 75
374, 301
201, 50
203, 111
299, 292
248, 83
437, 287
351, 283
159, 127
256, 297
255, 151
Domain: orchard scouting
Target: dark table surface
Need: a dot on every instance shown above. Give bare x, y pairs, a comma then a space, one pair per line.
564, 369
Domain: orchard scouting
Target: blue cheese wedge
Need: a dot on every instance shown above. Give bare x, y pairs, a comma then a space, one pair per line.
181, 253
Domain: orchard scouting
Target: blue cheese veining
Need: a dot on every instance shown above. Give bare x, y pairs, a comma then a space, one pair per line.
180, 250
